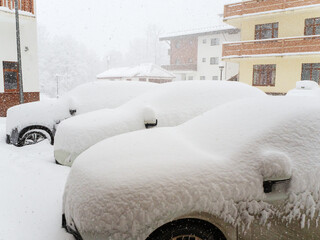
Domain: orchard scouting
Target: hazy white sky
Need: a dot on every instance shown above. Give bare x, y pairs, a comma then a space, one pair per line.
104, 25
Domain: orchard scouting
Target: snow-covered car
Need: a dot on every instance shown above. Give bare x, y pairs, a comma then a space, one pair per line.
33, 122
305, 88
244, 170
170, 105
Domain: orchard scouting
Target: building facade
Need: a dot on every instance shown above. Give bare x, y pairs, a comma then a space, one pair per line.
9, 78
197, 54
280, 42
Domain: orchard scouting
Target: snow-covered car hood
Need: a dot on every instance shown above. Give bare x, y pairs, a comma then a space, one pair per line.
126, 186
44, 113
171, 104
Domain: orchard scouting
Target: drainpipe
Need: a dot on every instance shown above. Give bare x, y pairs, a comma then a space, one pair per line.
16, 6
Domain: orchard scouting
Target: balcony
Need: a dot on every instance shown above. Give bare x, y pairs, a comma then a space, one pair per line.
181, 67
24, 5
274, 47
259, 6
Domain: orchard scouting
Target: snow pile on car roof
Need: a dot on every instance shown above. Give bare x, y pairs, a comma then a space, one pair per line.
147, 70
171, 104
305, 88
127, 186
105, 94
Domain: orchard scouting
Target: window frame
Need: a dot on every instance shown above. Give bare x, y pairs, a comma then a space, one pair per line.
215, 42
313, 25
260, 31
264, 67
214, 60
311, 69
15, 90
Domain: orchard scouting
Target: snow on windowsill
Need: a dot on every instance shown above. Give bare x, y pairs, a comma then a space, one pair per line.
23, 13
271, 55
272, 39
273, 11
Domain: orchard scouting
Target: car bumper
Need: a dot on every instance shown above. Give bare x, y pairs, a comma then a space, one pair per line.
70, 230
13, 138
63, 157
8, 139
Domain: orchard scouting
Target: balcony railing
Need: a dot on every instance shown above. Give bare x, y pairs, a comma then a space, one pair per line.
305, 44
24, 5
181, 67
258, 6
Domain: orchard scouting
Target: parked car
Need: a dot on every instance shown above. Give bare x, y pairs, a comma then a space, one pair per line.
305, 88
247, 169
33, 122
170, 105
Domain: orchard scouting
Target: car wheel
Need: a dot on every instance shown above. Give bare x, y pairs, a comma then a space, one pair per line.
187, 229
32, 137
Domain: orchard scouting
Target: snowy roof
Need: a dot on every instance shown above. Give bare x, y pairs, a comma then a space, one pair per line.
199, 31
147, 70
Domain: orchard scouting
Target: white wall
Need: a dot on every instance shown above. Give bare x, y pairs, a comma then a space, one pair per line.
205, 50
8, 49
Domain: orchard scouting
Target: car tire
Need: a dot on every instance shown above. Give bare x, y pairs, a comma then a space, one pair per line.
187, 229
32, 137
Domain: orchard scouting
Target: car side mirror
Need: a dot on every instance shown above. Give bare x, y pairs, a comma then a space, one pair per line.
269, 184
150, 125
72, 112
149, 117
275, 169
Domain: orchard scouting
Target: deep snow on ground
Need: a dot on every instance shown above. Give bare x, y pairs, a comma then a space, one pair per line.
31, 186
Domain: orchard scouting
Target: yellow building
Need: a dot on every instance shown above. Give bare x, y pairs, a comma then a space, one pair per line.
280, 42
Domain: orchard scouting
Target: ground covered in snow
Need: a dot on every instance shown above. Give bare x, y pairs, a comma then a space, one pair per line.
31, 192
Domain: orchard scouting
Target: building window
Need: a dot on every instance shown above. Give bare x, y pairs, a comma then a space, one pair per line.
202, 78
264, 75
215, 78
191, 42
177, 61
214, 61
204, 41
265, 31
142, 79
311, 71
204, 60
178, 44
11, 76
190, 60
215, 41
312, 26
190, 77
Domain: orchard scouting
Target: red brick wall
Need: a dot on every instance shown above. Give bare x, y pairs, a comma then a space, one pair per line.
8, 100
183, 49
